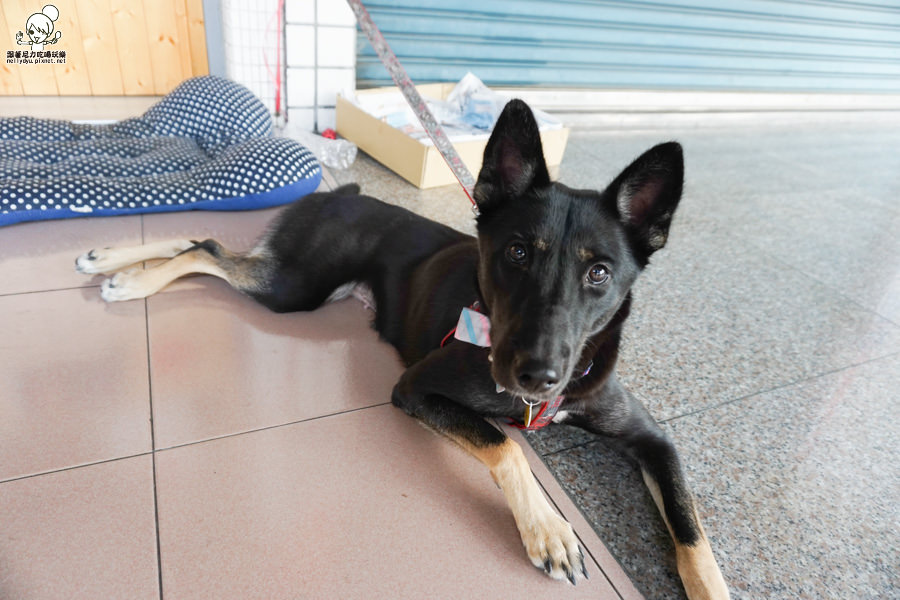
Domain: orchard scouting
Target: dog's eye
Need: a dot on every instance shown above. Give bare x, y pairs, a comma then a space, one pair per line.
598, 274
516, 253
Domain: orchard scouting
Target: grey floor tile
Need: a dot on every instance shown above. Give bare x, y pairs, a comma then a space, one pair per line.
842, 239
447, 204
609, 490
799, 485
713, 321
593, 159
781, 267
559, 437
796, 489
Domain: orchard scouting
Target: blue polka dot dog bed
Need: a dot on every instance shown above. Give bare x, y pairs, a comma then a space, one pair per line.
206, 145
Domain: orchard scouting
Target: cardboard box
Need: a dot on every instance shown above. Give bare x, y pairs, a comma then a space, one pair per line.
419, 164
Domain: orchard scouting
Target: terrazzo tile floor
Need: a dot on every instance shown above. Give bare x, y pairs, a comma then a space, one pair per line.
195, 445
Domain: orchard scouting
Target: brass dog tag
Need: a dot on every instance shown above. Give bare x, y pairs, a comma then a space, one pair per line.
529, 412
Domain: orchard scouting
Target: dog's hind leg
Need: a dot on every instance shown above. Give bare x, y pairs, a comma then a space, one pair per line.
696, 563
108, 260
619, 416
244, 272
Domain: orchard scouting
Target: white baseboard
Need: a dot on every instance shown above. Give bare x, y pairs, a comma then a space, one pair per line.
575, 100
652, 108
706, 120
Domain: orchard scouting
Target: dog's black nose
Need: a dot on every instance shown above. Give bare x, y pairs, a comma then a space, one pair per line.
535, 376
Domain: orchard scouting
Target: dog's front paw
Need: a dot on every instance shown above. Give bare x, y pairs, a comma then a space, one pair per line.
548, 538
552, 546
122, 286
93, 262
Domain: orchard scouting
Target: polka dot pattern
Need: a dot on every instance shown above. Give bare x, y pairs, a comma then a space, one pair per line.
206, 145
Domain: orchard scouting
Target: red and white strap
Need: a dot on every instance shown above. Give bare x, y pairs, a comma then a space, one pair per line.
415, 100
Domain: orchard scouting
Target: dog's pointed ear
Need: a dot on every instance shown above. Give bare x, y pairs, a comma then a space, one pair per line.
513, 158
646, 194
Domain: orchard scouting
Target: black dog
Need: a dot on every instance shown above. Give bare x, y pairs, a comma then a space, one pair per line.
552, 268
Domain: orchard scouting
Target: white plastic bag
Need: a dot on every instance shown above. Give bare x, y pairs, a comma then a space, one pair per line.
336, 154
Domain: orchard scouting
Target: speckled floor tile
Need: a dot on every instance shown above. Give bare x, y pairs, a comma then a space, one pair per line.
714, 164
799, 485
793, 487
558, 437
593, 159
726, 171
856, 156
447, 204
609, 489
848, 243
713, 321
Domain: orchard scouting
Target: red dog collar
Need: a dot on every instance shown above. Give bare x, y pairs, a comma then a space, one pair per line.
477, 331
548, 409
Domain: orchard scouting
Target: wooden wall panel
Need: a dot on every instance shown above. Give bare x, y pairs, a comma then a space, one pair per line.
100, 47
183, 46
197, 36
10, 82
113, 47
72, 78
130, 28
162, 35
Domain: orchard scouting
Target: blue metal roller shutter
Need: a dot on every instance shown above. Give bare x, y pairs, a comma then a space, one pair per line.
743, 45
